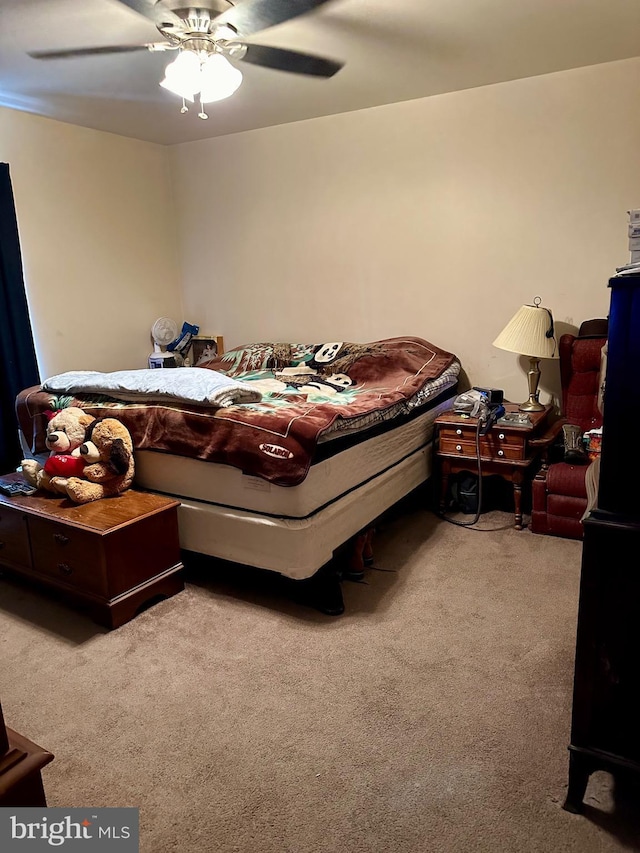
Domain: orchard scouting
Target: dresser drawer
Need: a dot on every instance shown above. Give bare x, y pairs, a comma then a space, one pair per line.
72, 556
14, 537
488, 448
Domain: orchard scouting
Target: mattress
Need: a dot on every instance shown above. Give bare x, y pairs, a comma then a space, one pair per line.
329, 479
298, 547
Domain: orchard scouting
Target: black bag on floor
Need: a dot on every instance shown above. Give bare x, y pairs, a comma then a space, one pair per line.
464, 493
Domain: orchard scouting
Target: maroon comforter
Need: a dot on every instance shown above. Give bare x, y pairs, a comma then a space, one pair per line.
276, 438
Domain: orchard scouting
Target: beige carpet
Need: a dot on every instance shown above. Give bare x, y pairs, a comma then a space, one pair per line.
433, 716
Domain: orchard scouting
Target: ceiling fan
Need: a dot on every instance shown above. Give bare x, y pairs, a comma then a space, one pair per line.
207, 35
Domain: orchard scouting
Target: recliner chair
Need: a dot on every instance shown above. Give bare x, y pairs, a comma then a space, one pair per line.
559, 491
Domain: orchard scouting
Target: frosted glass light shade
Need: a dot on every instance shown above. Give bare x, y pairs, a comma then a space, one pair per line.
182, 76
218, 79
527, 333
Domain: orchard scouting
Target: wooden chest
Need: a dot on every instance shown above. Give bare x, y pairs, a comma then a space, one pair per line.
111, 556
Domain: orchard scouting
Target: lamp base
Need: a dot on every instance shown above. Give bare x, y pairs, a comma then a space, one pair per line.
532, 405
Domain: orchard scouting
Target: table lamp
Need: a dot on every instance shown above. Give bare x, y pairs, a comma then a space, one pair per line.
530, 332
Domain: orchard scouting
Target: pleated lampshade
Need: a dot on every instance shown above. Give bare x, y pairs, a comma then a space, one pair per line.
529, 332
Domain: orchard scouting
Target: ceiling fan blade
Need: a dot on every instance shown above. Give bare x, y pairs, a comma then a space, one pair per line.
291, 60
251, 16
86, 51
156, 12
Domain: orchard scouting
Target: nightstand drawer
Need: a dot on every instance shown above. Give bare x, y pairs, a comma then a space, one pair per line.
497, 436
488, 448
14, 538
68, 555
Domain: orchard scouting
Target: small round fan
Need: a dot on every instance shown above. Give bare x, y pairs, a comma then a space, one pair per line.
163, 331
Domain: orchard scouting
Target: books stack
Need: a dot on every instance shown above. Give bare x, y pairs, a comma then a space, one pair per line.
634, 244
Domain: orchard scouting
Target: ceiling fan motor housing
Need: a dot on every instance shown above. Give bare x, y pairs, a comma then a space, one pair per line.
198, 17
197, 21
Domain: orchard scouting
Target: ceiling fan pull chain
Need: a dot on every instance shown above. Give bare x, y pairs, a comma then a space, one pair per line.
202, 113
185, 108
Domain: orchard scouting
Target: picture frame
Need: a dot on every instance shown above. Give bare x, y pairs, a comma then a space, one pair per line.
206, 347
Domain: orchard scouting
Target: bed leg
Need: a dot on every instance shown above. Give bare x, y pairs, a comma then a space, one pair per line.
354, 558
322, 591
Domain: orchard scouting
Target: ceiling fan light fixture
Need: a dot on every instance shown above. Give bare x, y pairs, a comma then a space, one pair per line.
219, 79
206, 36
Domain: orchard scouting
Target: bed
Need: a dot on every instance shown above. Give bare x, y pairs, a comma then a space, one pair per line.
328, 438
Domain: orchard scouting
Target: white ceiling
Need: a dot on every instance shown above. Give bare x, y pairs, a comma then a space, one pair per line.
394, 50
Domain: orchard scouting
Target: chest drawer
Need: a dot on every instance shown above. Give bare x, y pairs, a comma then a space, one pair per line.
14, 537
72, 556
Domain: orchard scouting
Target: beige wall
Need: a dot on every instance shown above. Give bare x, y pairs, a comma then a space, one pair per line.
437, 217
98, 241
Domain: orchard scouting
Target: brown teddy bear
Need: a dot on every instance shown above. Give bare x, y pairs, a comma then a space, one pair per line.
109, 470
66, 431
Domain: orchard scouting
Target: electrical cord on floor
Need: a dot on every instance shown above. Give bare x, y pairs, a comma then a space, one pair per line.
479, 429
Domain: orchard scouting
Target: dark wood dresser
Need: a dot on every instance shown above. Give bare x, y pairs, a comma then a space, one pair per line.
21, 762
111, 556
605, 726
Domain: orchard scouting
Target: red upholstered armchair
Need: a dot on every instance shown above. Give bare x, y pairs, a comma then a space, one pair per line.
559, 494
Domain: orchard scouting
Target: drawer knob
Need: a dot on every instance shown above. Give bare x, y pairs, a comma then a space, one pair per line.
64, 569
501, 453
501, 436
458, 432
458, 447
60, 538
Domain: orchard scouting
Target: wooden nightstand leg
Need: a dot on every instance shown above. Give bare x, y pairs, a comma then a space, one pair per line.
517, 498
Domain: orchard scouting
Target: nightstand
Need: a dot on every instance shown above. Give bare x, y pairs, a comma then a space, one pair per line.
505, 451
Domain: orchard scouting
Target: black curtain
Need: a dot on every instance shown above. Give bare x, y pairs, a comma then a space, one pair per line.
18, 365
